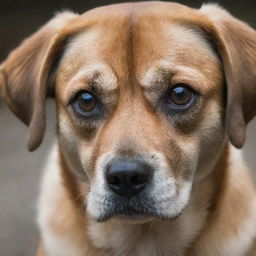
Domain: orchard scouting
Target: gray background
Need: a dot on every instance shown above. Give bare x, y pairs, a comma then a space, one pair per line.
20, 171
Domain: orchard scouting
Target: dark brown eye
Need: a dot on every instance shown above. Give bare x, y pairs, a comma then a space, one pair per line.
85, 103
180, 95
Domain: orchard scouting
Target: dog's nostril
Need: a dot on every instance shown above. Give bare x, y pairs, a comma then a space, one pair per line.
127, 177
114, 180
138, 179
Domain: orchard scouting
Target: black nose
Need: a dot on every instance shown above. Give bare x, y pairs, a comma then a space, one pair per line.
128, 177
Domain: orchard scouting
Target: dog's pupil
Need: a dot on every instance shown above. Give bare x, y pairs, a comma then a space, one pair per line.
181, 95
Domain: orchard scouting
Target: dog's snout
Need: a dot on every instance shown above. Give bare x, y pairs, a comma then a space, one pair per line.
128, 177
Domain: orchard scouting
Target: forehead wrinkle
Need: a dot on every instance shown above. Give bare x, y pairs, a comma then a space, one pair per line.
116, 48
132, 20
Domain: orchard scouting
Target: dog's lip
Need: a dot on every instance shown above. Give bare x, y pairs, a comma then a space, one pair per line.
134, 209
130, 214
126, 213
138, 218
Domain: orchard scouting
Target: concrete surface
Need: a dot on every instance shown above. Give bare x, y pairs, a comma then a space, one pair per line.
20, 173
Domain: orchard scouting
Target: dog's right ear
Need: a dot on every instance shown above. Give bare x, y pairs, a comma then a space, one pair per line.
24, 75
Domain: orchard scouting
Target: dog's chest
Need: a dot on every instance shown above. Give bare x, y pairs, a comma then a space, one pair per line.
165, 239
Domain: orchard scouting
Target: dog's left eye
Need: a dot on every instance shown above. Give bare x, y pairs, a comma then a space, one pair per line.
180, 96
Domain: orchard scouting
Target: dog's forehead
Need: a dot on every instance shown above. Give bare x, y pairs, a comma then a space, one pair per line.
131, 39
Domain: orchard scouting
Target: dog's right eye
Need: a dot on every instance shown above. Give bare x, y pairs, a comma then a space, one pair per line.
85, 103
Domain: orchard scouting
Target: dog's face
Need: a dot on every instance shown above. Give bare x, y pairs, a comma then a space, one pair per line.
142, 108
139, 111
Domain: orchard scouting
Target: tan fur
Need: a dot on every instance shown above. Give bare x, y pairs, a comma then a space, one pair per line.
129, 55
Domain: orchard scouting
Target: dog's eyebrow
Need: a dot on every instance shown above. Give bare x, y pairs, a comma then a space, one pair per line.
102, 83
97, 78
160, 76
156, 77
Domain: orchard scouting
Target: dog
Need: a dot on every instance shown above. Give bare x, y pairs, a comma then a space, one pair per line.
152, 103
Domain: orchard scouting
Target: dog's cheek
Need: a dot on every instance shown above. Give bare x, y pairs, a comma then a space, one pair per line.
186, 165
188, 158
72, 147
211, 137
174, 167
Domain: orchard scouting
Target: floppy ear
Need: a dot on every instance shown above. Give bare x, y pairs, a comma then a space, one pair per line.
236, 45
24, 76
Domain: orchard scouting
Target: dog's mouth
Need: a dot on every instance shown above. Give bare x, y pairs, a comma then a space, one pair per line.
126, 214
134, 210
131, 214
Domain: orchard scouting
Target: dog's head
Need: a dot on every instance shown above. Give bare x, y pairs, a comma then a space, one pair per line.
146, 94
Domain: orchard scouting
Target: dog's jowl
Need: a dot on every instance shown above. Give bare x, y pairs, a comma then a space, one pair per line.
152, 103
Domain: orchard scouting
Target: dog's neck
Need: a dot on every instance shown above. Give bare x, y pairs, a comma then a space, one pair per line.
157, 237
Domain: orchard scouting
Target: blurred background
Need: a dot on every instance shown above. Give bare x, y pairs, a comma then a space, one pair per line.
20, 171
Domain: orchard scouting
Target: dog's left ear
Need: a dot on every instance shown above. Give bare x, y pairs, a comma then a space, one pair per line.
236, 44
24, 75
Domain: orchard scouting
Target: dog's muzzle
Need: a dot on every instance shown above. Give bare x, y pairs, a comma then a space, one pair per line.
136, 188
